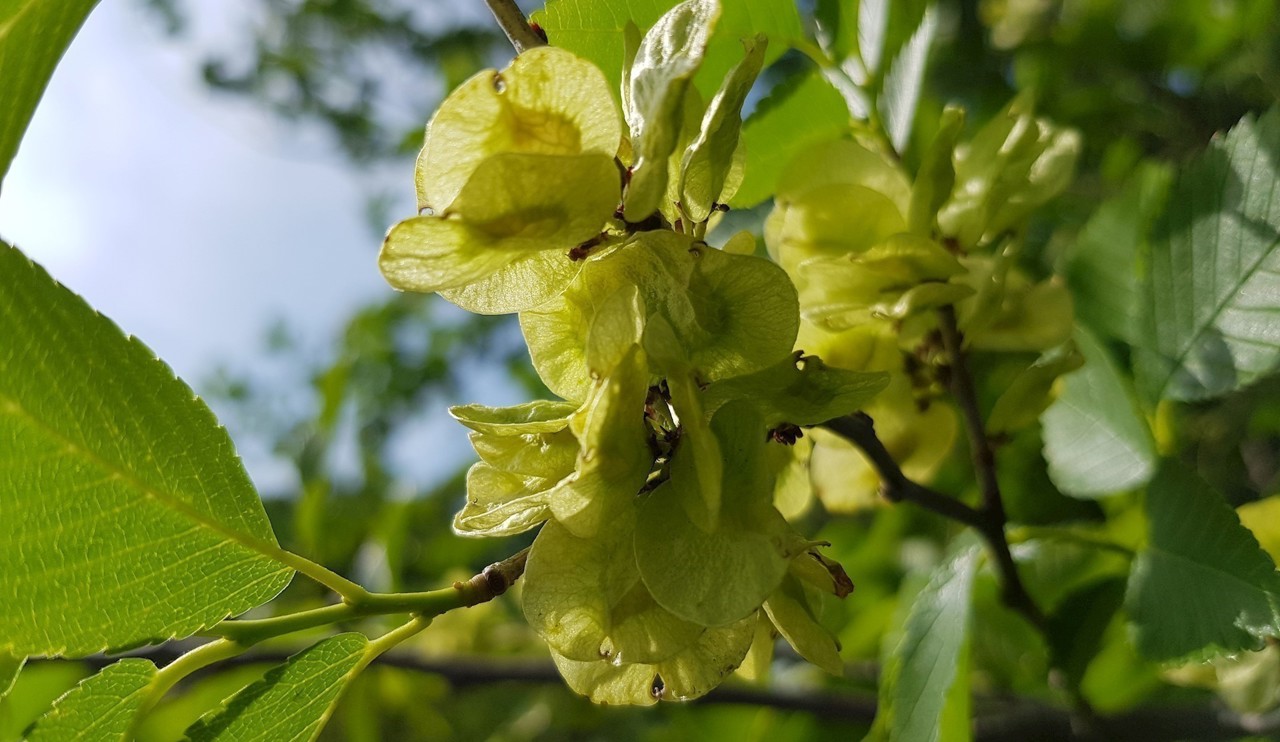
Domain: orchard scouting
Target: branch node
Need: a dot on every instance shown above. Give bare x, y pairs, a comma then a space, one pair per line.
516, 26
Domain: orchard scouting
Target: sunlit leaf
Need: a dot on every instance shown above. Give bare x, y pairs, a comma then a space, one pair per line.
512, 206
33, 37
527, 281
669, 55
546, 455
123, 508
293, 701
731, 314
718, 577
902, 275
1010, 313
872, 25
1013, 164
745, 314
615, 458
707, 161
616, 327
903, 81
1096, 440
755, 666
699, 461
1202, 585
596, 31
502, 503
539, 416
101, 708
798, 112
547, 102
584, 597
844, 162
802, 391
1213, 290
690, 674
609, 684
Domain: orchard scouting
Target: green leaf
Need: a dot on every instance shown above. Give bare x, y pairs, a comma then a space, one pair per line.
1014, 163
1202, 585
292, 702
1102, 266
669, 55
903, 82
527, 281
1077, 628
617, 327
716, 577
872, 28
1212, 294
746, 314
33, 37
801, 391
800, 111
538, 416
124, 511
1096, 440
512, 207
732, 314
608, 684
595, 31
689, 674
790, 610
502, 503
937, 174
708, 159
102, 707
615, 457
585, 598
924, 673
700, 462
902, 275
547, 455
848, 163
1031, 391
547, 102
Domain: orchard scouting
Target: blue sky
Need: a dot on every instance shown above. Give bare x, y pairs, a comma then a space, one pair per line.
193, 220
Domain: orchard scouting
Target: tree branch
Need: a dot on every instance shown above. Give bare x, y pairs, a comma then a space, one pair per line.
515, 25
1007, 722
859, 429
493, 581
1013, 592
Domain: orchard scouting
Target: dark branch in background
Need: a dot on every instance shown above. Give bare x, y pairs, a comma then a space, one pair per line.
989, 519
859, 429
515, 25
994, 520
1012, 722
